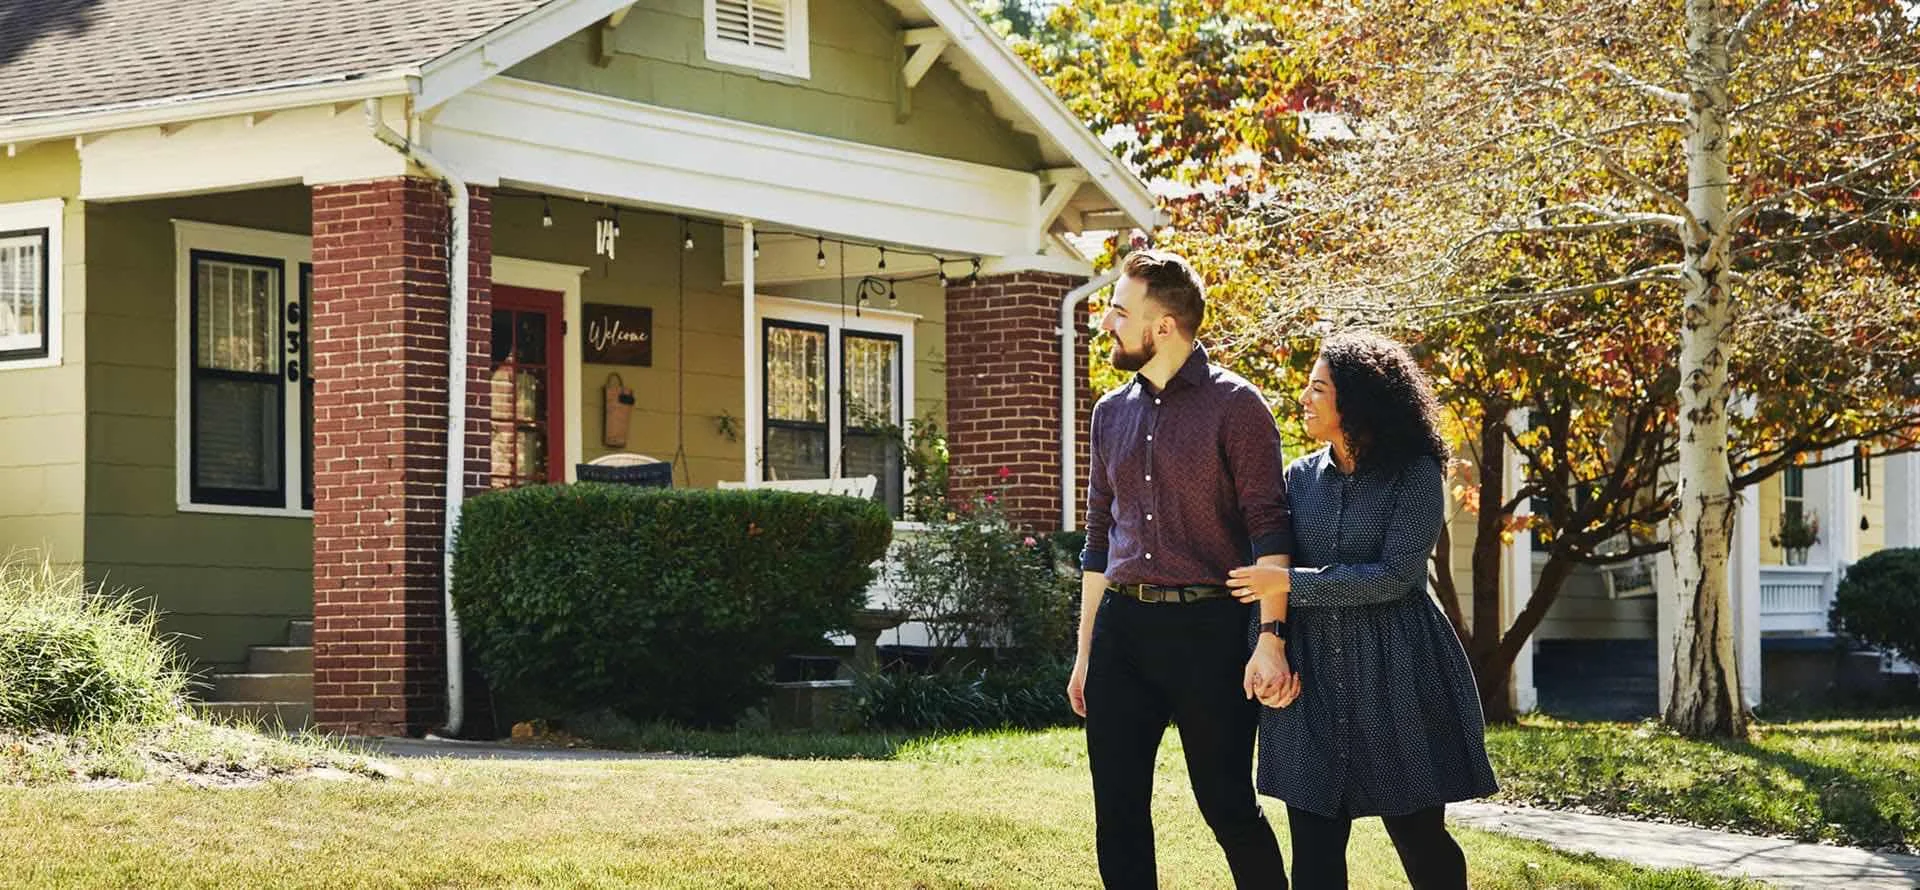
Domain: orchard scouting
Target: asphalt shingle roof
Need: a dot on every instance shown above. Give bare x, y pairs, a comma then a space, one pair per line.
67, 56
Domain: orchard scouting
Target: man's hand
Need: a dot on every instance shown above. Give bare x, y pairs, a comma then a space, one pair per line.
1268, 677
1077, 687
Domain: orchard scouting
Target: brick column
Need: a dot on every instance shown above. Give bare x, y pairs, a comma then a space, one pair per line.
380, 341
1003, 392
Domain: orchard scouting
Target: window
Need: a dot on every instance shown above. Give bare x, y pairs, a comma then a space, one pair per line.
835, 392
245, 409
1793, 494
770, 35
30, 284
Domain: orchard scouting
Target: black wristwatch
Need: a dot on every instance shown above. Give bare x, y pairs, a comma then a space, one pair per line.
1276, 627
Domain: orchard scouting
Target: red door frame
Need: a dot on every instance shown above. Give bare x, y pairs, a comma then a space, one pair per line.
551, 304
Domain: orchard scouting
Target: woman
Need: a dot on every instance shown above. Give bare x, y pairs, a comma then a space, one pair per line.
1387, 721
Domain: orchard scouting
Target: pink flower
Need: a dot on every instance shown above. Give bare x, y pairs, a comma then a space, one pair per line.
991, 499
1029, 542
1005, 472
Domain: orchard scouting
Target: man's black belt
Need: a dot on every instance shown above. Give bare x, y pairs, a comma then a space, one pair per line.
1159, 593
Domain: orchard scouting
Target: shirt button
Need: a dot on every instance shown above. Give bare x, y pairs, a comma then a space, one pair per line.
1149, 517
1156, 401
1149, 556
1149, 477
1149, 437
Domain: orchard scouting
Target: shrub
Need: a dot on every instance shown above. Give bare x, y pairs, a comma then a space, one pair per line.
72, 658
1879, 601
976, 580
660, 603
961, 697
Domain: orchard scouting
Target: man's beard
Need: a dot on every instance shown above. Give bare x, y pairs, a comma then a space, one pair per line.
1133, 360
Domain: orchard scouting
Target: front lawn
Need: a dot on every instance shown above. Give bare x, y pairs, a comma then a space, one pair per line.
994, 810
1847, 781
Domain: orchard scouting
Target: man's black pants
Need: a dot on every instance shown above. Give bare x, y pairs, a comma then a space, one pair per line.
1151, 663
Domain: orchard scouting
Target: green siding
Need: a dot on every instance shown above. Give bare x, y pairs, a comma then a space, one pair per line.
223, 582
696, 351
659, 57
43, 410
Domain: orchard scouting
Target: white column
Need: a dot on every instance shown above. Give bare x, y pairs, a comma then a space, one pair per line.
1744, 566
1519, 580
1901, 489
750, 357
1840, 509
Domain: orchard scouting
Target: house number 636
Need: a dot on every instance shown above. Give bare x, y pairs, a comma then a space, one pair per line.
295, 339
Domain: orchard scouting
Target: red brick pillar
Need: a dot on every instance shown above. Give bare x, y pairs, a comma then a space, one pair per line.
380, 342
1003, 393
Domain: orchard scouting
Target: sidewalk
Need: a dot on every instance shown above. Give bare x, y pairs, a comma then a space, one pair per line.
1783, 863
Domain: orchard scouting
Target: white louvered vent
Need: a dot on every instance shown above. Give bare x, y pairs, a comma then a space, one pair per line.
767, 34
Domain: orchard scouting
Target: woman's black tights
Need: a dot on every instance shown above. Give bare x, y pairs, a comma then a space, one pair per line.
1432, 860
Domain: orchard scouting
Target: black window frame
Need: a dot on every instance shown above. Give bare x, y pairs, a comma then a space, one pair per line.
768, 423
895, 500
209, 495
45, 349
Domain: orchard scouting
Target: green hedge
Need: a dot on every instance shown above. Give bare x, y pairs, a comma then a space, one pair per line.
662, 604
1879, 602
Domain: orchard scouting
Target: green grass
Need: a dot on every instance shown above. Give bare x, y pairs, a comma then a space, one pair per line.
1847, 781
74, 657
181, 750
984, 810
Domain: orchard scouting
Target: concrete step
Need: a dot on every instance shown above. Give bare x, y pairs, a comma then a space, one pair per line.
291, 716
300, 633
280, 659
289, 687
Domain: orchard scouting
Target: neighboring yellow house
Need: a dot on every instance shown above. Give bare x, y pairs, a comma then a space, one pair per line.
230, 264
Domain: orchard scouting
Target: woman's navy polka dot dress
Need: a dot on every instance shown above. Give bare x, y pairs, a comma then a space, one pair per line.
1388, 720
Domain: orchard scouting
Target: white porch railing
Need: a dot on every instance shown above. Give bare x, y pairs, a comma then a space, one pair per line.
1796, 599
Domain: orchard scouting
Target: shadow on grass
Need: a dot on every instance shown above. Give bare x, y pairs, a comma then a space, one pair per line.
1861, 800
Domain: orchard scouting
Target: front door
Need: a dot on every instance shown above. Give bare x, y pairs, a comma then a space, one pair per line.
526, 418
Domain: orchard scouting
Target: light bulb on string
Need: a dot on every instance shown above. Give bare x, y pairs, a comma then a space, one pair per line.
820, 256
756, 246
893, 299
943, 270
687, 232
546, 213
616, 222
883, 259
975, 277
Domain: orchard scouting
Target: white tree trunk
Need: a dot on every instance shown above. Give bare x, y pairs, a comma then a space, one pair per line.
1705, 699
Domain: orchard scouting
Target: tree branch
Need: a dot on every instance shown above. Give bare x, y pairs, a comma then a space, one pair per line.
1737, 38
1806, 192
1670, 97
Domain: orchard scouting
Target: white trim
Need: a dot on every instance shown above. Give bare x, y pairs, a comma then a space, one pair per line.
831, 317
251, 100
1517, 565
564, 141
979, 43
302, 145
49, 214
565, 280
507, 46
793, 60
292, 251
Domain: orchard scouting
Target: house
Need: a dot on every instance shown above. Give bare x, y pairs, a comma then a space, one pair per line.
1597, 651
247, 251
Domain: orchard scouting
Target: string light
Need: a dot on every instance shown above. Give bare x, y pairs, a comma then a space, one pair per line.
546, 213
687, 231
883, 259
975, 277
616, 222
893, 299
820, 257
756, 245
943, 270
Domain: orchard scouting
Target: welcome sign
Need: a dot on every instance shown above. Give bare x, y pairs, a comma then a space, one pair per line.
617, 335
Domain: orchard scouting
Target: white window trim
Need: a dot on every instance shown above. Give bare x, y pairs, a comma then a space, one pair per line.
837, 322
48, 214
794, 61
291, 251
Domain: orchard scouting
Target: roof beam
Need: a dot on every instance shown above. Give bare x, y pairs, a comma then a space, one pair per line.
927, 45
603, 43
1065, 184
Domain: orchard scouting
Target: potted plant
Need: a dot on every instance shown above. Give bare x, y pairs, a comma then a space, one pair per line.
1796, 534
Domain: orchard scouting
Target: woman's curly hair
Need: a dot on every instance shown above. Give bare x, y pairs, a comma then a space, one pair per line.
1386, 403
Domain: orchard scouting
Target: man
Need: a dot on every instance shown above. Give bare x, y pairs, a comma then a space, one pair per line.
1184, 486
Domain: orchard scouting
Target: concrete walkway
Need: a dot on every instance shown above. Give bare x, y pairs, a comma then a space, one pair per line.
1782, 863
463, 750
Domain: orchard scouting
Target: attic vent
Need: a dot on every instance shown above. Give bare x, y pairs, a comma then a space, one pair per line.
770, 35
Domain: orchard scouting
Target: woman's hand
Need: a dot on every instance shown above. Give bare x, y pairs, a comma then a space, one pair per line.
1257, 582
1268, 676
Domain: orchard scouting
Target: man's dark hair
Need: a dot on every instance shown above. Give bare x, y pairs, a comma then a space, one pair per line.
1172, 285
1387, 407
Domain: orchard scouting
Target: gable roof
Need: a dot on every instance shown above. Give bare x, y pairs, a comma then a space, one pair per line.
68, 65
74, 57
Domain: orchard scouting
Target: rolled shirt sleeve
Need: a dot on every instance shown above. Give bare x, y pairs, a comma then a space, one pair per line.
1252, 444
1407, 543
1093, 556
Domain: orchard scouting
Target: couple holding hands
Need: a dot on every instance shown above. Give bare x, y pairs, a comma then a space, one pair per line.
1349, 674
